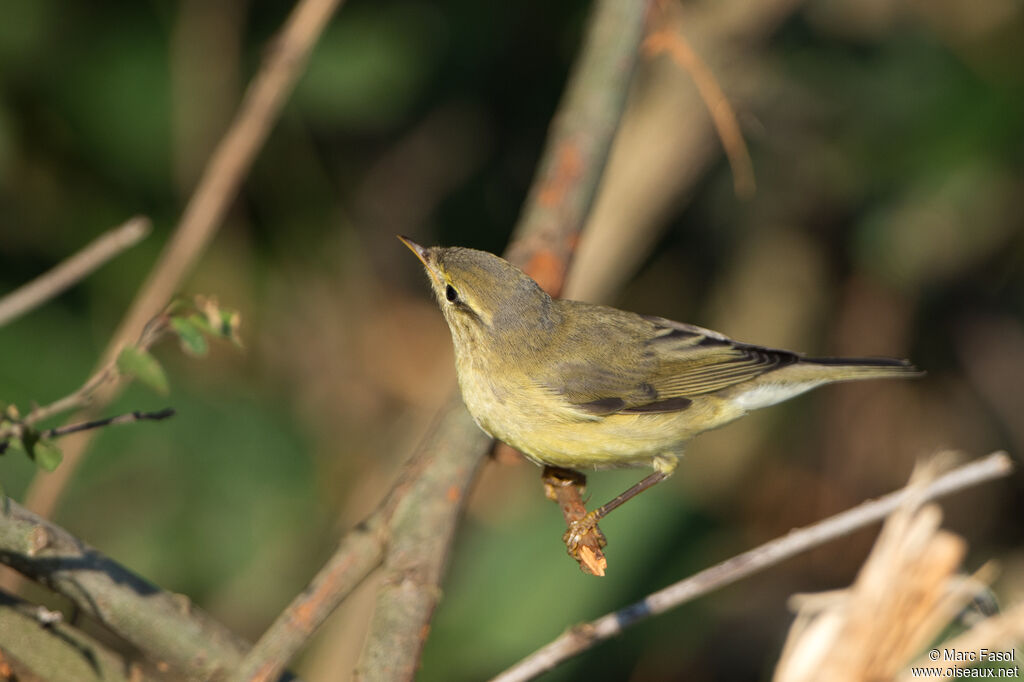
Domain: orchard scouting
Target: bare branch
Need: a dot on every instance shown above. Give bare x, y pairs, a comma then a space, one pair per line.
578, 143
65, 274
722, 115
166, 627
416, 519
217, 187
422, 528
83, 396
127, 418
584, 636
360, 551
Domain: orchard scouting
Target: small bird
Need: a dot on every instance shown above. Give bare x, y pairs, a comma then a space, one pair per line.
576, 385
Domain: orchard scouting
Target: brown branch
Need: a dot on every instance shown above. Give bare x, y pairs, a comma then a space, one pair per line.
420, 515
432, 487
566, 487
663, 150
582, 637
36, 644
166, 627
578, 143
722, 115
359, 552
421, 532
213, 195
65, 274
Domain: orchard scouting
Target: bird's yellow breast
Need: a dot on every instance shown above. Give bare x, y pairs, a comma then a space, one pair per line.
550, 430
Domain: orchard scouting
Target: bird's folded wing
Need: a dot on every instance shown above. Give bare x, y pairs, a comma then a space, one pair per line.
675, 363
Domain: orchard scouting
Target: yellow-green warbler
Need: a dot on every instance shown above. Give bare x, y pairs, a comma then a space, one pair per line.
576, 385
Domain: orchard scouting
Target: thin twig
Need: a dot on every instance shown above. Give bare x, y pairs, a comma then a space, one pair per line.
63, 275
127, 418
213, 195
165, 627
565, 487
722, 115
83, 396
664, 148
582, 637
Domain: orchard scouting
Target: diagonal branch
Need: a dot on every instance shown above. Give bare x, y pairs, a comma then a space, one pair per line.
432, 488
578, 144
127, 418
213, 195
722, 114
584, 636
164, 626
65, 274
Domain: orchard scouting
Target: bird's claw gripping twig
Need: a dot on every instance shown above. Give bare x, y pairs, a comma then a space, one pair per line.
583, 539
584, 542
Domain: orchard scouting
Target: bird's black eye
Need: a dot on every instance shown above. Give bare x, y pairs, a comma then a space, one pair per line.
451, 294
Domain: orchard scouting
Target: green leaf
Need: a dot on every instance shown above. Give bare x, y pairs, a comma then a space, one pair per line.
144, 367
192, 340
47, 455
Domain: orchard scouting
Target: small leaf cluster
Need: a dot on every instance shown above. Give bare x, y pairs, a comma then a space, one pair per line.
192, 319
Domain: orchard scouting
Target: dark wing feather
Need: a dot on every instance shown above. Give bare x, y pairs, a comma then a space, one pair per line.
661, 368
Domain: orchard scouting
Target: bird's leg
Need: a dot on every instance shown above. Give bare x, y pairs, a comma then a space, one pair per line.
626, 496
584, 527
565, 487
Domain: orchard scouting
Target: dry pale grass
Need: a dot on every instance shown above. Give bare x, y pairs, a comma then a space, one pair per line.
906, 594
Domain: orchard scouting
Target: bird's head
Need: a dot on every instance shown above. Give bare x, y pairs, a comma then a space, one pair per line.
482, 294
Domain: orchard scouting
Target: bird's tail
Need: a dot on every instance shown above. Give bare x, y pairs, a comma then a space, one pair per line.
852, 369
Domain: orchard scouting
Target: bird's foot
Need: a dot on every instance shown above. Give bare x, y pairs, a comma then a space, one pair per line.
584, 542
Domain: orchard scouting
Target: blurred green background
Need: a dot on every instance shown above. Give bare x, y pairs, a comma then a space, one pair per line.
888, 144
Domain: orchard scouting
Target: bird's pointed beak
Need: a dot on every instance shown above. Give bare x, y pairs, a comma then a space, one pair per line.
420, 252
